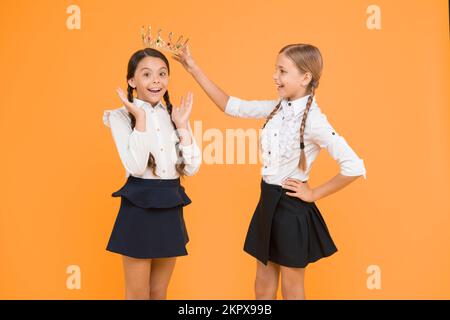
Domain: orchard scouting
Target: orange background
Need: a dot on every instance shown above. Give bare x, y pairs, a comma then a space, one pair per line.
386, 91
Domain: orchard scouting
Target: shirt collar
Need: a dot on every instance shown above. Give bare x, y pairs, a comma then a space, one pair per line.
141, 103
298, 105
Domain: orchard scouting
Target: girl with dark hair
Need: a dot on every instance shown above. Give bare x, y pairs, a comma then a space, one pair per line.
156, 146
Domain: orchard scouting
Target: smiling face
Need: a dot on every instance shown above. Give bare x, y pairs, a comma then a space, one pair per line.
150, 80
291, 83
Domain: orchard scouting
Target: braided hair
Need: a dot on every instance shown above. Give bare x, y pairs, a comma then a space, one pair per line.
302, 160
132, 65
307, 58
274, 112
180, 165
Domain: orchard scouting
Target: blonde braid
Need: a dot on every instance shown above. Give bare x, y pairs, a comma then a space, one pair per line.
274, 111
302, 160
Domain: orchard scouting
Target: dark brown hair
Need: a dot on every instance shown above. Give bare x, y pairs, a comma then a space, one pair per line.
132, 65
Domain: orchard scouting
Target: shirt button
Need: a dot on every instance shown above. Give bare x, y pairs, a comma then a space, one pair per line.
283, 118
289, 104
333, 133
157, 129
164, 171
275, 134
162, 149
269, 152
265, 166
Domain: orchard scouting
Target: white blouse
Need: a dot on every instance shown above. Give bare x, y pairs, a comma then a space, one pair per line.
280, 139
159, 138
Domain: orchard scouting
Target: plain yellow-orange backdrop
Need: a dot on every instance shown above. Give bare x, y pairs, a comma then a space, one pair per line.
385, 90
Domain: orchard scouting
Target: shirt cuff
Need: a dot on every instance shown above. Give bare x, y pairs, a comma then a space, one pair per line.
138, 132
189, 152
357, 170
232, 107
106, 118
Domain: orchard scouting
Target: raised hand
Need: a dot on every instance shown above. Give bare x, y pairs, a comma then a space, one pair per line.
180, 115
185, 58
131, 107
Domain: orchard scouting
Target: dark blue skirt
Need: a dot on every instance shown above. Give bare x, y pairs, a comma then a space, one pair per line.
287, 230
150, 222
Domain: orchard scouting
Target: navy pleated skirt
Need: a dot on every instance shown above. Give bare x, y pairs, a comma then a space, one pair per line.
150, 222
287, 230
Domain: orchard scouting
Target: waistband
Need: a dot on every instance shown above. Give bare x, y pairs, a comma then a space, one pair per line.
153, 193
276, 191
274, 186
154, 182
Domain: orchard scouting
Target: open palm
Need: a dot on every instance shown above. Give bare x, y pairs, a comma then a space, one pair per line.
131, 107
180, 115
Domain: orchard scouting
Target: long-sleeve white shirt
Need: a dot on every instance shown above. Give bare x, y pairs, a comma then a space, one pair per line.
159, 138
280, 139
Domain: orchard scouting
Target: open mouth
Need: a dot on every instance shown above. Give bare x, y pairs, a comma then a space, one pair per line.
155, 91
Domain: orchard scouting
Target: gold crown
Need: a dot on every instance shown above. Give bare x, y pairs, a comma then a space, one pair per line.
159, 43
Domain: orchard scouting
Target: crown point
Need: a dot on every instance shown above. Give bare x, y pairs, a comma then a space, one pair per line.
160, 43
